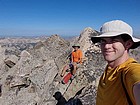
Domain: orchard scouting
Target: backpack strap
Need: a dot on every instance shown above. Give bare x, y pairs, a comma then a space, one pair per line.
126, 93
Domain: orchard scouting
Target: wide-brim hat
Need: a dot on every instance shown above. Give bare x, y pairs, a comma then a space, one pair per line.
116, 28
76, 45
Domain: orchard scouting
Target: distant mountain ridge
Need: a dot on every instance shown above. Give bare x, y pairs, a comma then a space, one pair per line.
30, 69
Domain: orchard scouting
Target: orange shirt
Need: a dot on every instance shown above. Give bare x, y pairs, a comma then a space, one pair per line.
110, 90
77, 56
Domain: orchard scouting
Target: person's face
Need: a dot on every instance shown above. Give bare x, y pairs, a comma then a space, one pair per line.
75, 48
113, 48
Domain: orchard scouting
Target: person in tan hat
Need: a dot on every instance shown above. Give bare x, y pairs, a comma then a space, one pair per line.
120, 82
76, 60
76, 57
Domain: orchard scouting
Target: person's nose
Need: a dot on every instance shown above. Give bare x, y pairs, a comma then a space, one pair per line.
107, 45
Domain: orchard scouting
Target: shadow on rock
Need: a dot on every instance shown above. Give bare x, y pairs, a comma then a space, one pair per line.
75, 100
60, 99
72, 101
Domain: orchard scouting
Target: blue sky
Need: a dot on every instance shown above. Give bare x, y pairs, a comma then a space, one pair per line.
64, 17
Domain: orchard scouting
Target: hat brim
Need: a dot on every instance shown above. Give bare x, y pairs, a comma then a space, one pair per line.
76, 46
136, 42
96, 39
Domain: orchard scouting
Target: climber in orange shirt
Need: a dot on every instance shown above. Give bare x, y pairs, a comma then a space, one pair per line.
76, 60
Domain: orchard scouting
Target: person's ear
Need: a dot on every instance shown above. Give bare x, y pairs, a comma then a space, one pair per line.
128, 44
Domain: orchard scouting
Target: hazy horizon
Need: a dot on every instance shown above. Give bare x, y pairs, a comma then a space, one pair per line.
64, 17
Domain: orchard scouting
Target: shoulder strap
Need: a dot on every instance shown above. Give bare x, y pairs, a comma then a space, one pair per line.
126, 93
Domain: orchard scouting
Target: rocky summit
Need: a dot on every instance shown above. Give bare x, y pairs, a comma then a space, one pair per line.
30, 70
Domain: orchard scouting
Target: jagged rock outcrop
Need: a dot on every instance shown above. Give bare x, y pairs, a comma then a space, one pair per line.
31, 75
85, 39
29, 80
88, 75
11, 60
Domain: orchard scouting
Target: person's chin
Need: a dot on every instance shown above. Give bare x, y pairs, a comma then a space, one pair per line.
109, 58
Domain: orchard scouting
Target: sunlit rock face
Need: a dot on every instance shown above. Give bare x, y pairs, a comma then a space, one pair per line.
30, 69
